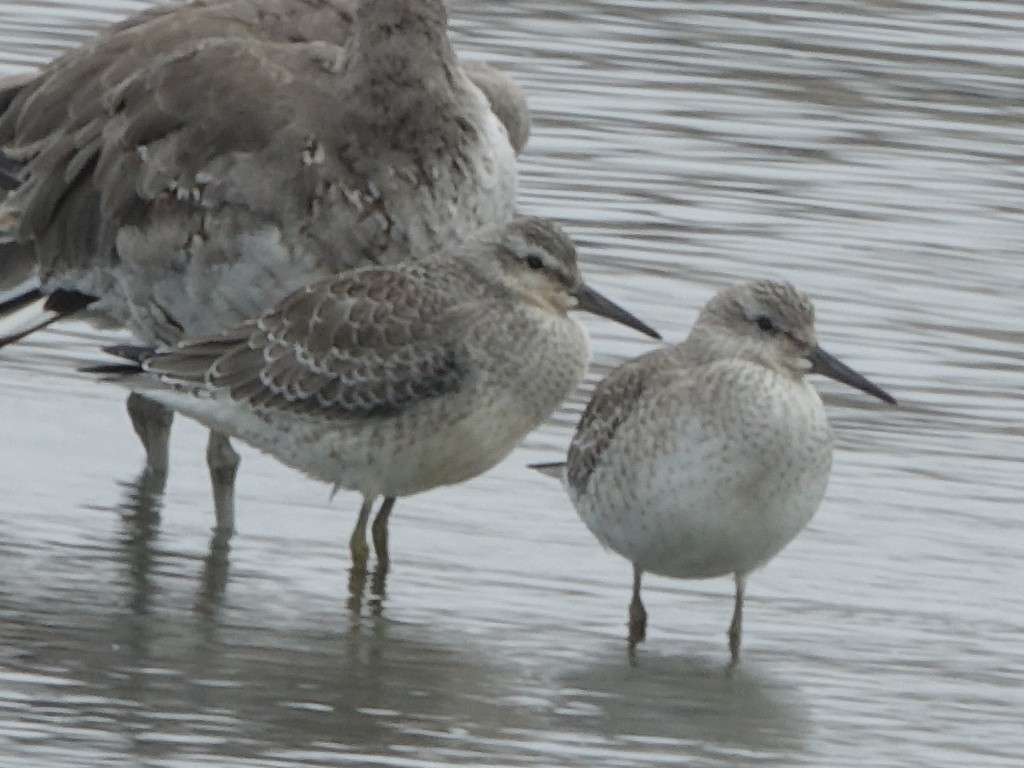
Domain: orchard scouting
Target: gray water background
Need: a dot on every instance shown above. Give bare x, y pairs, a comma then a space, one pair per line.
871, 152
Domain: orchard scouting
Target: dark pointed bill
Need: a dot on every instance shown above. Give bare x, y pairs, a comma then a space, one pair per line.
590, 300
822, 362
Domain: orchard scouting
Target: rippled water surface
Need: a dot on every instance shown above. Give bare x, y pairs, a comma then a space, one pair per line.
869, 152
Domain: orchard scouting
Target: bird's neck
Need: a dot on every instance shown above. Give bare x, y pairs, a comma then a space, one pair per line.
399, 46
707, 344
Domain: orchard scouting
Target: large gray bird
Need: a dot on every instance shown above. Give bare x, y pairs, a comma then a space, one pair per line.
194, 164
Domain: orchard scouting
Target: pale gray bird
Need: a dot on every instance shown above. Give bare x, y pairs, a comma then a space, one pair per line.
707, 458
194, 164
393, 380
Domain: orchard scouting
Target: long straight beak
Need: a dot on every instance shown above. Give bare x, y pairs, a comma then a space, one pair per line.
590, 300
822, 362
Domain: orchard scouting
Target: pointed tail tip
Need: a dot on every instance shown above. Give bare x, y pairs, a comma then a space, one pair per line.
551, 469
133, 354
65, 302
112, 370
27, 309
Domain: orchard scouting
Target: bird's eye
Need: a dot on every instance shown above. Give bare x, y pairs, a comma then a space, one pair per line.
765, 324
533, 261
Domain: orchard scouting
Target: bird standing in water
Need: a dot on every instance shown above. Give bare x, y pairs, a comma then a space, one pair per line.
706, 458
394, 380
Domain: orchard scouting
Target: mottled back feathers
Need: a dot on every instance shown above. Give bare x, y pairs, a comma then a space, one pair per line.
367, 344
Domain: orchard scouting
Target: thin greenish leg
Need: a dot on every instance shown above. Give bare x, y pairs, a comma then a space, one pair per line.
152, 423
637, 613
736, 626
222, 461
357, 543
380, 532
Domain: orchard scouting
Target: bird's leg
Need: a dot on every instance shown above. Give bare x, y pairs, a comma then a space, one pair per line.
380, 533
222, 460
637, 613
736, 625
357, 543
152, 423
360, 555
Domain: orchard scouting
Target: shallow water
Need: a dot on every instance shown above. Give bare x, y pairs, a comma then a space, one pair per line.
869, 152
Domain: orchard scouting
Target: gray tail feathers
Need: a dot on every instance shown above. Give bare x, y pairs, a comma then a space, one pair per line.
30, 310
135, 355
551, 469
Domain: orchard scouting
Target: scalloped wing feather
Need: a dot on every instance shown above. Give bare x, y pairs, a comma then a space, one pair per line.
369, 343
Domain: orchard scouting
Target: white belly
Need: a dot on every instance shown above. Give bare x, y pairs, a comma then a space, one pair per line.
703, 496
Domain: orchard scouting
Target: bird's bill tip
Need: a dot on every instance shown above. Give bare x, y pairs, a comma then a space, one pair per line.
589, 300
827, 365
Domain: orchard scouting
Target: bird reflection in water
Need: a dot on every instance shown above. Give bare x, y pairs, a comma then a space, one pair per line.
140, 509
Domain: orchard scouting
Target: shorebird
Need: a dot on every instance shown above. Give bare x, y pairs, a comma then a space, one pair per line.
706, 458
392, 380
195, 164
